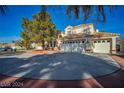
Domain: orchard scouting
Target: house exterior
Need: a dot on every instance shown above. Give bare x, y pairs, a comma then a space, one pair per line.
8, 45
86, 38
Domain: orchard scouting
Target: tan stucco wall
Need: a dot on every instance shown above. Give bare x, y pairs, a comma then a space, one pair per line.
113, 45
79, 29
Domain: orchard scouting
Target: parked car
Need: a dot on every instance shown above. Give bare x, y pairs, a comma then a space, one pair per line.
8, 49
2, 49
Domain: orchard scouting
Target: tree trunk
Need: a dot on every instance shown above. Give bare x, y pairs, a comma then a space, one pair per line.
43, 44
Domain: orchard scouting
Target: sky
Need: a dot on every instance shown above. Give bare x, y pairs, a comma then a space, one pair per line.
10, 23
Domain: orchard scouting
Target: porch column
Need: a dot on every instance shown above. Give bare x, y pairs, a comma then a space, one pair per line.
113, 51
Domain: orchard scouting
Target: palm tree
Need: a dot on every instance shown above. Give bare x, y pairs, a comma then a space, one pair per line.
86, 10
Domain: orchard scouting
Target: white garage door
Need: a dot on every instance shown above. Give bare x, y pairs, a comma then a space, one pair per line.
102, 46
73, 46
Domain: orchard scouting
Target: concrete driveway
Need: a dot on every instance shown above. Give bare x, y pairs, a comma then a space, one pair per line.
59, 66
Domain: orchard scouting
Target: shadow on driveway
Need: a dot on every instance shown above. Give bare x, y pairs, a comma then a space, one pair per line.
59, 66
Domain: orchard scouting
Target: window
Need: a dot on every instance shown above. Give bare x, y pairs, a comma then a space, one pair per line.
99, 41
95, 42
69, 32
103, 41
108, 41
87, 30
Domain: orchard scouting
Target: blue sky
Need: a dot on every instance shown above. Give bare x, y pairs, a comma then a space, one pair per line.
10, 24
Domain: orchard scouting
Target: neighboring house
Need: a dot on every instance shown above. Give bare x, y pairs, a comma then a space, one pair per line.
6, 45
10, 45
85, 38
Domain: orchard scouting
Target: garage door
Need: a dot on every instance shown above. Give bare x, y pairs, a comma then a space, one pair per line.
73, 46
102, 46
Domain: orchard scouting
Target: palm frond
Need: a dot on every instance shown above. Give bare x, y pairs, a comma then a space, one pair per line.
3, 9
88, 11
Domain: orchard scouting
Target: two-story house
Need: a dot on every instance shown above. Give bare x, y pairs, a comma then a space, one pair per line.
85, 38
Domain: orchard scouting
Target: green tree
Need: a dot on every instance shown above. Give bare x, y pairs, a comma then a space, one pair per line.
44, 28
26, 41
19, 43
40, 30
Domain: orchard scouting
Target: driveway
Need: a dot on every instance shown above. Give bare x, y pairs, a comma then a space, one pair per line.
59, 66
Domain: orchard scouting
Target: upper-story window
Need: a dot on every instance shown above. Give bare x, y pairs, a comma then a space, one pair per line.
69, 32
87, 30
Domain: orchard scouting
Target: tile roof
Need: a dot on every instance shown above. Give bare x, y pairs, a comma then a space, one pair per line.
84, 35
